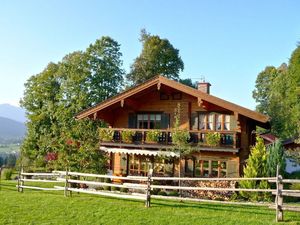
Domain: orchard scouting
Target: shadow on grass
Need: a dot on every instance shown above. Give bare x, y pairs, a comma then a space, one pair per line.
216, 207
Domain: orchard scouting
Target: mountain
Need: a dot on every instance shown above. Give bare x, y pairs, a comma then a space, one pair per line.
12, 112
11, 131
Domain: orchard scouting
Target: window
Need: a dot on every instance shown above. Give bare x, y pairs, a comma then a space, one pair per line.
210, 122
139, 165
218, 121
227, 122
206, 168
214, 121
149, 121
202, 121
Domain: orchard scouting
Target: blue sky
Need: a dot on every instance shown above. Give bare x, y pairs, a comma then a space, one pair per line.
227, 42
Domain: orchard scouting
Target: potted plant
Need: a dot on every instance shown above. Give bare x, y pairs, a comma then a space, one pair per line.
213, 139
106, 134
127, 135
152, 136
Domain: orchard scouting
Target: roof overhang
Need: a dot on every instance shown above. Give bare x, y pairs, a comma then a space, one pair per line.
262, 120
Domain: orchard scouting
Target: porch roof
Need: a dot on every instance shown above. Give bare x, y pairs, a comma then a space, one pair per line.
162, 153
139, 152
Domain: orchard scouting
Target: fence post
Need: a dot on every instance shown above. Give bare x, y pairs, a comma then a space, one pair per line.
279, 196
148, 190
66, 184
20, 181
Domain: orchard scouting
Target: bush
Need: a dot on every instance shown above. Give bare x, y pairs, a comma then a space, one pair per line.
213, 139
125, 190
127, 135
295, 186
152, 135
163, 193
173, 193
180, 137
106, 188
106, 134
7, 173
115, 188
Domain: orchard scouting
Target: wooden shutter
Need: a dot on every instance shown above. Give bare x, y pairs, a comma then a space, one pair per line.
194, 121
165, 121
233, 123
232, 168
132, 120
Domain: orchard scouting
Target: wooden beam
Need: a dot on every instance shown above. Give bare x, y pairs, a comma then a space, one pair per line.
238, 125
158, 85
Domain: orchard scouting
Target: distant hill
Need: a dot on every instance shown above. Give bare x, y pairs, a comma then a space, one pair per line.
11, 131
12, 112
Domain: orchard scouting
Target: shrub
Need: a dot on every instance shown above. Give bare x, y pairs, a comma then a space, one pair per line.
125, 190
8, 174
180, 137
152, 135
213, 139
163, 193
173, 193
295, 186
127, 135
115, 188
106, 134
106, 188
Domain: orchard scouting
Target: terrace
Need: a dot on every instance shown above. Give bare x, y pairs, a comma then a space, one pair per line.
162, 139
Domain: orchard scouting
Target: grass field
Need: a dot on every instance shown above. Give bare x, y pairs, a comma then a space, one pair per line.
37, 207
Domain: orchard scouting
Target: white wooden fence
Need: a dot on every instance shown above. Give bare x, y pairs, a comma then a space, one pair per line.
145, 185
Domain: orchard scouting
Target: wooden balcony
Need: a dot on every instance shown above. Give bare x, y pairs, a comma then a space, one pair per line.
228, 139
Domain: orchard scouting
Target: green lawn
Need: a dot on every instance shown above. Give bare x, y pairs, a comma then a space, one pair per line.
37, 207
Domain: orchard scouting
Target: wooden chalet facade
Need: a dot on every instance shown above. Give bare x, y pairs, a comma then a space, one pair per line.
151, 105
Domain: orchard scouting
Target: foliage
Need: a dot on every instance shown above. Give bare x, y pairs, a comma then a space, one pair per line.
106, 134
277, 93
127, 135
55, 95
152, 136
275, 157
7, 173
180, 136
213, 139
189, 82
256, 167
158, 57
42, 207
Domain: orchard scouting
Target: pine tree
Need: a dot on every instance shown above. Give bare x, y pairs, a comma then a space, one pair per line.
256, 167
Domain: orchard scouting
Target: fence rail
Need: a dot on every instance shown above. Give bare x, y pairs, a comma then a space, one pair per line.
145, 185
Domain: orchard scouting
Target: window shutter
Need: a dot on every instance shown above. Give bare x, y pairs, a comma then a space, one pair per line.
194, 121
132, 120
233, 123
165, 121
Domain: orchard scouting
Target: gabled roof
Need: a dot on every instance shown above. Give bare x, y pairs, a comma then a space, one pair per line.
158, 80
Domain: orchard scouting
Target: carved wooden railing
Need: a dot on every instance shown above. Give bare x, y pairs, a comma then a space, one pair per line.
229, 139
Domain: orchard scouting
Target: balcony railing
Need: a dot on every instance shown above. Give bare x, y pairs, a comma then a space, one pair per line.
126, 137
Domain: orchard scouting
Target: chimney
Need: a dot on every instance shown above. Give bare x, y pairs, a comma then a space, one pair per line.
204, 87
